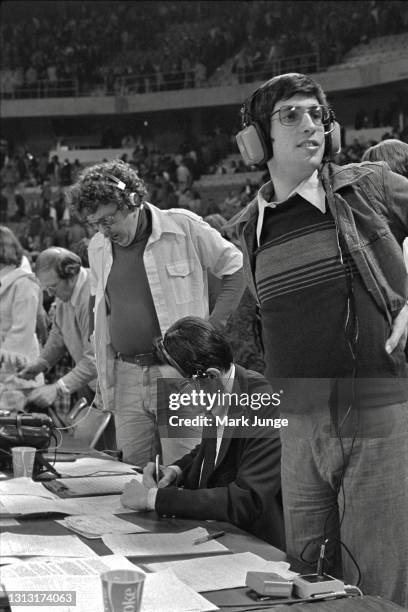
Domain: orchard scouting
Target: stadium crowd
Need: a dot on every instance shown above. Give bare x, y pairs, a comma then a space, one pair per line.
43, 219
120, 48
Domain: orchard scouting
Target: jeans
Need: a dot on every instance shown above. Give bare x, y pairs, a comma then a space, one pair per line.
365, 504
137, 434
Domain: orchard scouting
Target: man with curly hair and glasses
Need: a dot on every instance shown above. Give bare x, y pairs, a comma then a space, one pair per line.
148, 268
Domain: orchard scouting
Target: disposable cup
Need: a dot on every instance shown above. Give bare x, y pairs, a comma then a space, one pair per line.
122, 590
23, 461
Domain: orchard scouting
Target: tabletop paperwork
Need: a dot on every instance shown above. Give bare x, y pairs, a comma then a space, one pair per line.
162, 544
25, 486
222, 571
95, 485
163, 592
88, 466
27, 545
27, 504
96, 526
68, 566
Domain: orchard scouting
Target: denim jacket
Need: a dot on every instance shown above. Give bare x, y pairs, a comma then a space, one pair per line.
369, 204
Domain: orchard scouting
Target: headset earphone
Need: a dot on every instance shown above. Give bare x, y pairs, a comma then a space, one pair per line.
67, 269
68, 264
164, 355
256, 147
123, 187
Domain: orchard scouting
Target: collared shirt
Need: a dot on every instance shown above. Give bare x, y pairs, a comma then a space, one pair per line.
311, 189
179, 252
70, 332
81, 280
220, 410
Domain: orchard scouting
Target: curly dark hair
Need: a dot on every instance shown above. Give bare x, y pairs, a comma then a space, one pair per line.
96, 186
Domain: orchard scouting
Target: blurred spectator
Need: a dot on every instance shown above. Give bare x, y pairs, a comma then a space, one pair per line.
76, 232
183, 174
20, 299
20, 213
66, 173
3, 208
393, 152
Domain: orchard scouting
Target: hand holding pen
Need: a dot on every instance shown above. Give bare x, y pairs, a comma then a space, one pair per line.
158, 476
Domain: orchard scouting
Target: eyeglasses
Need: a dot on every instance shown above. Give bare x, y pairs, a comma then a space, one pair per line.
104, 222
293, 115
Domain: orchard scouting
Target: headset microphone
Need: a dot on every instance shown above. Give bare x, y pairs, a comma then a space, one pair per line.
123, 187
335, 137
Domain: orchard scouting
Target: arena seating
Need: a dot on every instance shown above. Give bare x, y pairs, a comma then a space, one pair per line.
377, 50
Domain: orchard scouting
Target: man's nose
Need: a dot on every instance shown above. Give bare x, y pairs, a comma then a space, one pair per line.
307, 123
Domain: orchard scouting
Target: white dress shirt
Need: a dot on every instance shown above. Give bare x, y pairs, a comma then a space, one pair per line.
311, 189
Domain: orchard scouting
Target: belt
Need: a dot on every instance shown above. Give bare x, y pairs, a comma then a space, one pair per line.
143, 359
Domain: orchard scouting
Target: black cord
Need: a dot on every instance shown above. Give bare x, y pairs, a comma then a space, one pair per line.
287, 602
351, 335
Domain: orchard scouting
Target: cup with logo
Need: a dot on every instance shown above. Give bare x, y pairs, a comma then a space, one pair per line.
122, 590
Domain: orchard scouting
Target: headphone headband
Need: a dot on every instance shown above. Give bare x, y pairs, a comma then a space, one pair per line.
123, 187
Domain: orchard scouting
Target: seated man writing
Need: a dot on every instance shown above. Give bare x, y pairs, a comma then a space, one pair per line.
234, 474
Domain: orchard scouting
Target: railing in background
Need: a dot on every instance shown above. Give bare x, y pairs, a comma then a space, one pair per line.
155, 82
66, 88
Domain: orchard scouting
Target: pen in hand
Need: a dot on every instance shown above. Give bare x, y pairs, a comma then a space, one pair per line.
210, 536
157, 470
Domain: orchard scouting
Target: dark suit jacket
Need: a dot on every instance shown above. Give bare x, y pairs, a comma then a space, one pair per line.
244, 487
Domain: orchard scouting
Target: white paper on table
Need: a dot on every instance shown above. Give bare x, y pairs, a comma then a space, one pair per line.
8, 561
27, 504
25, 486
163, 592
67, 566
27, 545
222, 571
100, 524
88, 465
102, 504
157, 544
8, 522
98, 485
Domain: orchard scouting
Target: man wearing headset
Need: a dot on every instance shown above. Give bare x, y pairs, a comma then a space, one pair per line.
60, 273
322, 255
148, 268
234, 474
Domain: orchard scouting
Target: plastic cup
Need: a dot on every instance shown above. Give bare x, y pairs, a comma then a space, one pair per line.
23, 461
122, 590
